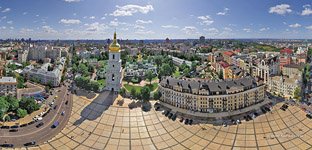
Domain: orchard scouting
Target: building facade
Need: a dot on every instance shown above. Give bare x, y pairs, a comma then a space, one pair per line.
114, 69
204, 96
283, 86
8, 86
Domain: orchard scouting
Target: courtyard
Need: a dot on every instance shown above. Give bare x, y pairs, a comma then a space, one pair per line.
118, 127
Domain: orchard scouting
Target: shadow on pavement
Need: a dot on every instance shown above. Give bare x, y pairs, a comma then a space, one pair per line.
96, 108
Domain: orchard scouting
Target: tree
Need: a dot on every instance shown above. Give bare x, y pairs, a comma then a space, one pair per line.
13, 103
149, 75
158, 60
221, 74
83, 69
145, 93
20, 82
4, 107
21, 113
133, 92
29, 104
186, 72
157, 95
297, 93
122, 91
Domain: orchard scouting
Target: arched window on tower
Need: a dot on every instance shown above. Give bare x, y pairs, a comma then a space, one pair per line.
113, 77
113, 56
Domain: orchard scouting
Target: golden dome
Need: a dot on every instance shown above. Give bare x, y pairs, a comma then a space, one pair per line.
114, 46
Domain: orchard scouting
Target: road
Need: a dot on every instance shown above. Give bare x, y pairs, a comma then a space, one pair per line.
45, 132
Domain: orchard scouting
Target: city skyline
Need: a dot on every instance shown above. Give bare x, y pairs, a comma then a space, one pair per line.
94, 19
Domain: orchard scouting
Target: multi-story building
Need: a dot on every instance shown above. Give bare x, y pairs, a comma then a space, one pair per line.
8, 86
283, 86
267, 67
41, 52
227, 56
22, 56
292, 70
43, 75
204, 96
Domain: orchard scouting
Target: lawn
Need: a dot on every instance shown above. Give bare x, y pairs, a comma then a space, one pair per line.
177, 73
152, 87
101, 82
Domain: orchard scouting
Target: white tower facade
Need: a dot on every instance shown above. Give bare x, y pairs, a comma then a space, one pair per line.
114, 69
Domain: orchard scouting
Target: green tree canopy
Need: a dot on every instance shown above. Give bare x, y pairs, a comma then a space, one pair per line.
29, 104
149, 75
21, 113
145, 93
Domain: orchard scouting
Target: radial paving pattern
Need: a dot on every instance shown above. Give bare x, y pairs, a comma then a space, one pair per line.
122, 128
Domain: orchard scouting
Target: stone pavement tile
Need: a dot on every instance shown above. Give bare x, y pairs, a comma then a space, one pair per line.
251, 148
111, 147
63, 147
135, 135
239, 143
250, 137
146, 141
149, 147
264, 148
214, 146
56, 143
37, 148
288, 145
225, 147
228, 142
277, 146
166, 136
157, 139
180, 138
112, 141
196, 147
241, 130
171, 142
250, 131
251, 143
304, 146
102, 139
124, 142
65, 139
161, 145
203, 142
81, 147
195, 139
125, 136
218, 140
135, 142
230, 136
123, 147
262, 142
72, 144
89, 142
187, 143
144, 135
272, 141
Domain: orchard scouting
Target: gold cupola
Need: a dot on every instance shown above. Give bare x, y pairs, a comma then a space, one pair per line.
114, 46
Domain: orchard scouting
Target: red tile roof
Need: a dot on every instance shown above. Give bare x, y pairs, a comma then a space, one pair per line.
224, 64
228, 53
286, 51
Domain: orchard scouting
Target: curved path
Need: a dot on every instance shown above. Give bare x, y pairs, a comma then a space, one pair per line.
93, 125
45, 132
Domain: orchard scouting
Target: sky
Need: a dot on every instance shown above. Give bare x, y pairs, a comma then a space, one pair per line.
155, 19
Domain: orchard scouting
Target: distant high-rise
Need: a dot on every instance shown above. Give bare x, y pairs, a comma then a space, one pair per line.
202, 39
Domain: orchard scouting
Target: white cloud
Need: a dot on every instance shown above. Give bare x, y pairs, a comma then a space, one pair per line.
129, 10
4, 17
307, 11
11, 28
124, 29
224, 12
296, 25
143, 22
189, 30
69, 1
26, 30
309, 27
170, 26
264, 29
92, 17
280, 9
227, 29
247, 30
116, 23
212, 31
70, 21
25, 13
144, 32
6, 10
96, 27
10, 22
138, 27
103, 18
205, 20
3, 27
48, 29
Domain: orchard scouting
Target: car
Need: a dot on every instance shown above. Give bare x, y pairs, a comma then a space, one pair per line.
5, 127
13, 130
191, 121
66, 102
170, 115
238, 121
157, 108
55, 124
30, 143
63, 113
174, 117
55, 107
67, 93
186, 121
14, 127
164, 111
181, 120
39, 125
7, 145
23, 125
309, 116
31, 122
224, 124
167, 113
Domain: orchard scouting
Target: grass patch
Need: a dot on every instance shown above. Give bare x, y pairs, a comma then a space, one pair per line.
177, 73
152, 87
101, 82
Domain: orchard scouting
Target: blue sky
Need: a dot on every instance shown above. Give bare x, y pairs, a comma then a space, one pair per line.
155, 19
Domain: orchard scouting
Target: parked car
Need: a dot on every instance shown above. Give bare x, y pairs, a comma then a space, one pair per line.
7, 145
190, 122
13, 130
174, 117
30, 143
39, 125
181, 120
186, 121
63, 113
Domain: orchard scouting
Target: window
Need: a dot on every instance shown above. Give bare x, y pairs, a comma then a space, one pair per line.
113, 66
113, 56
113, 77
